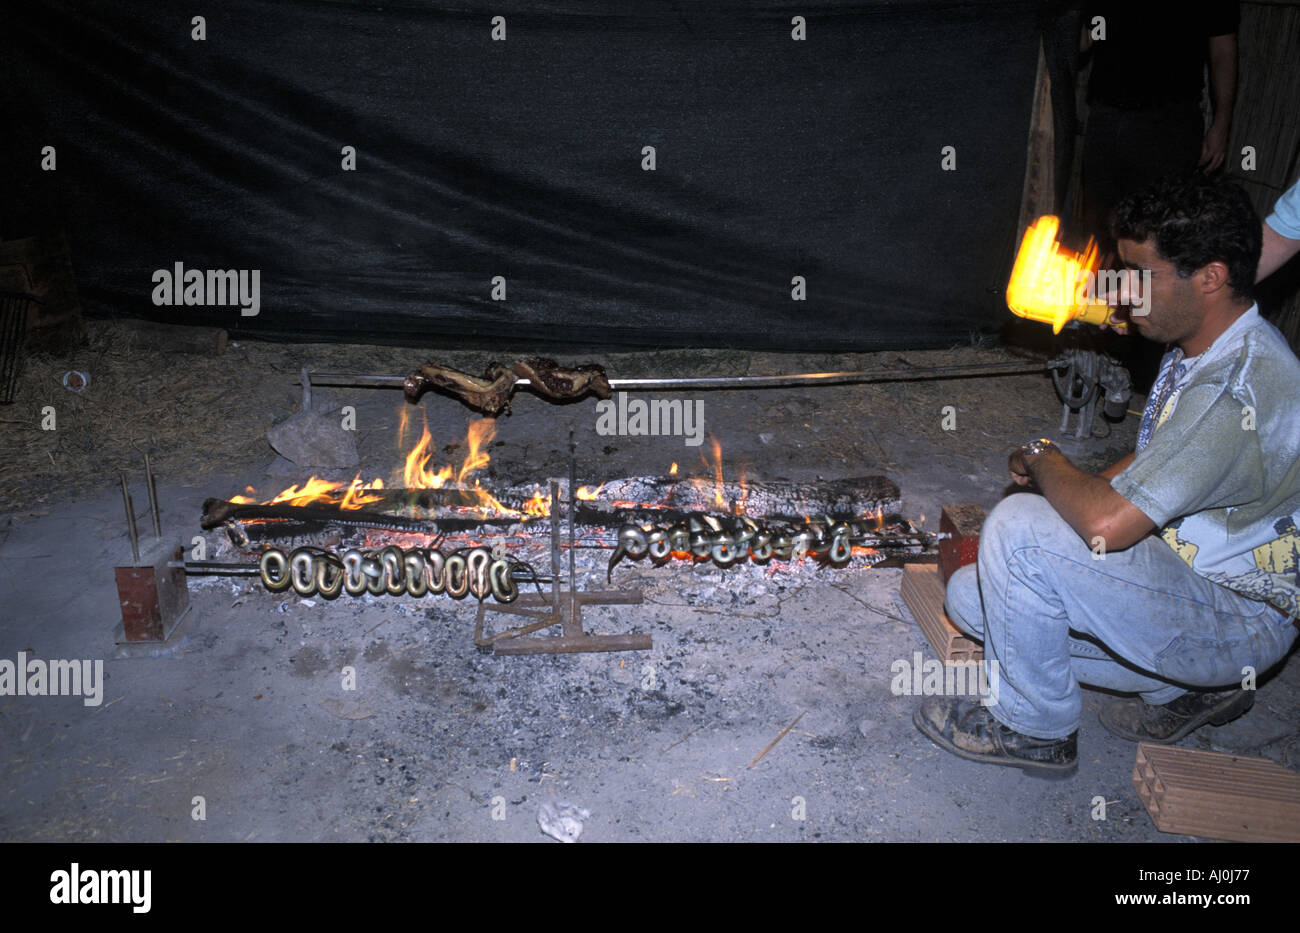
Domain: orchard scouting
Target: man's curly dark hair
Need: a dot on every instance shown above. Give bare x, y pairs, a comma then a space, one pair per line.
1193, 221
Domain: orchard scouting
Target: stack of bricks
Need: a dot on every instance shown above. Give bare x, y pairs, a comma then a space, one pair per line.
924, 584
1218, 795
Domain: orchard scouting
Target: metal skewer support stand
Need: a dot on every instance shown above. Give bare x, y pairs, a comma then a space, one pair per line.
559, 607
152, 587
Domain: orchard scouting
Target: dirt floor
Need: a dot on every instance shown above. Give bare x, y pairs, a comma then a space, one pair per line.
439, 741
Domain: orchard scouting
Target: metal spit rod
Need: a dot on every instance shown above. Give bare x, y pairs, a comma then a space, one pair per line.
153, 497
234, 568
130, 520
686, 383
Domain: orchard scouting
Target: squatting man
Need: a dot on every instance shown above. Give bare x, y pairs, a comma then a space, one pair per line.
1173, 573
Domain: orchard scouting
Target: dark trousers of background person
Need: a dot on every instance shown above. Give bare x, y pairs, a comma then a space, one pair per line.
1127, 149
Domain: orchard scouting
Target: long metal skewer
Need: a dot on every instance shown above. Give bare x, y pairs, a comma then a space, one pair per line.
736, 382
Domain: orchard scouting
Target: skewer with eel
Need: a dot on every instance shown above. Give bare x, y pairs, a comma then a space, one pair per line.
730, 540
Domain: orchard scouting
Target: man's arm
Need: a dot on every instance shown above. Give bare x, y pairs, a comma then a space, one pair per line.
1277, 251
1223, 88
1085, 500
1118, 467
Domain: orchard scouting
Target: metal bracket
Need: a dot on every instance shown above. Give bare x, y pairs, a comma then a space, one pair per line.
560, 607
540, 608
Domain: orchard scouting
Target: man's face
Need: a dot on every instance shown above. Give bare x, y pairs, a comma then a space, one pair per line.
1173, 305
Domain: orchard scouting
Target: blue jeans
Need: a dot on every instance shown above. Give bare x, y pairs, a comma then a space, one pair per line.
1137, 621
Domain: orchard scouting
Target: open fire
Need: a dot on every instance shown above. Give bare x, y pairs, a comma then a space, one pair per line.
437, 529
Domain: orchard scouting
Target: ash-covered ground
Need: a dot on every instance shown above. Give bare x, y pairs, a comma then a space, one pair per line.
440, 741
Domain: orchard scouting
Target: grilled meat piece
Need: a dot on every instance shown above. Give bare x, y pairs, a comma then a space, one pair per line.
489, 393
548, 378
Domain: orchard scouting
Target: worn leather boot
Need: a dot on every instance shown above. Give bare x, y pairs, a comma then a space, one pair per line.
966, 728
1138, 721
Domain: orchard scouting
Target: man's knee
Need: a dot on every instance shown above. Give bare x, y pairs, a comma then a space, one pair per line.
962, 603
1021, 520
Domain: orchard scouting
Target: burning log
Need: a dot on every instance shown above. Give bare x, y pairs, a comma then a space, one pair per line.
338, 512
217, 512
490, 393
844, 498
610, 503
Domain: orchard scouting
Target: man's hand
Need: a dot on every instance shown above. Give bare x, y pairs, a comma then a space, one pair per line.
1118, 321
1086, 501
1222, 54
1214, 148
1019, 468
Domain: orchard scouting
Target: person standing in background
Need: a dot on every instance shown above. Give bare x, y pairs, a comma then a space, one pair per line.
1144, 96
1145, 121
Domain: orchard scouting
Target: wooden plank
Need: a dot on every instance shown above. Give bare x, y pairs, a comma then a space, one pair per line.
1038, 191
922, 592
1217, 795
174, 338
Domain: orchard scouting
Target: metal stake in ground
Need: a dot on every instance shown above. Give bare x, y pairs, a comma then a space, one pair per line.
573, 512
130, 521
153, 498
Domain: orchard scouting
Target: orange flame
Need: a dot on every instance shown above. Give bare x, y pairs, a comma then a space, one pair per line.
401, 426
314, 490
538, 504
480, 434
1047, 281
354, 498
416, 473
718, 499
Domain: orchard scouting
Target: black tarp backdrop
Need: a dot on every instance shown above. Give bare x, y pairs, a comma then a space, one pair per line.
478, 158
